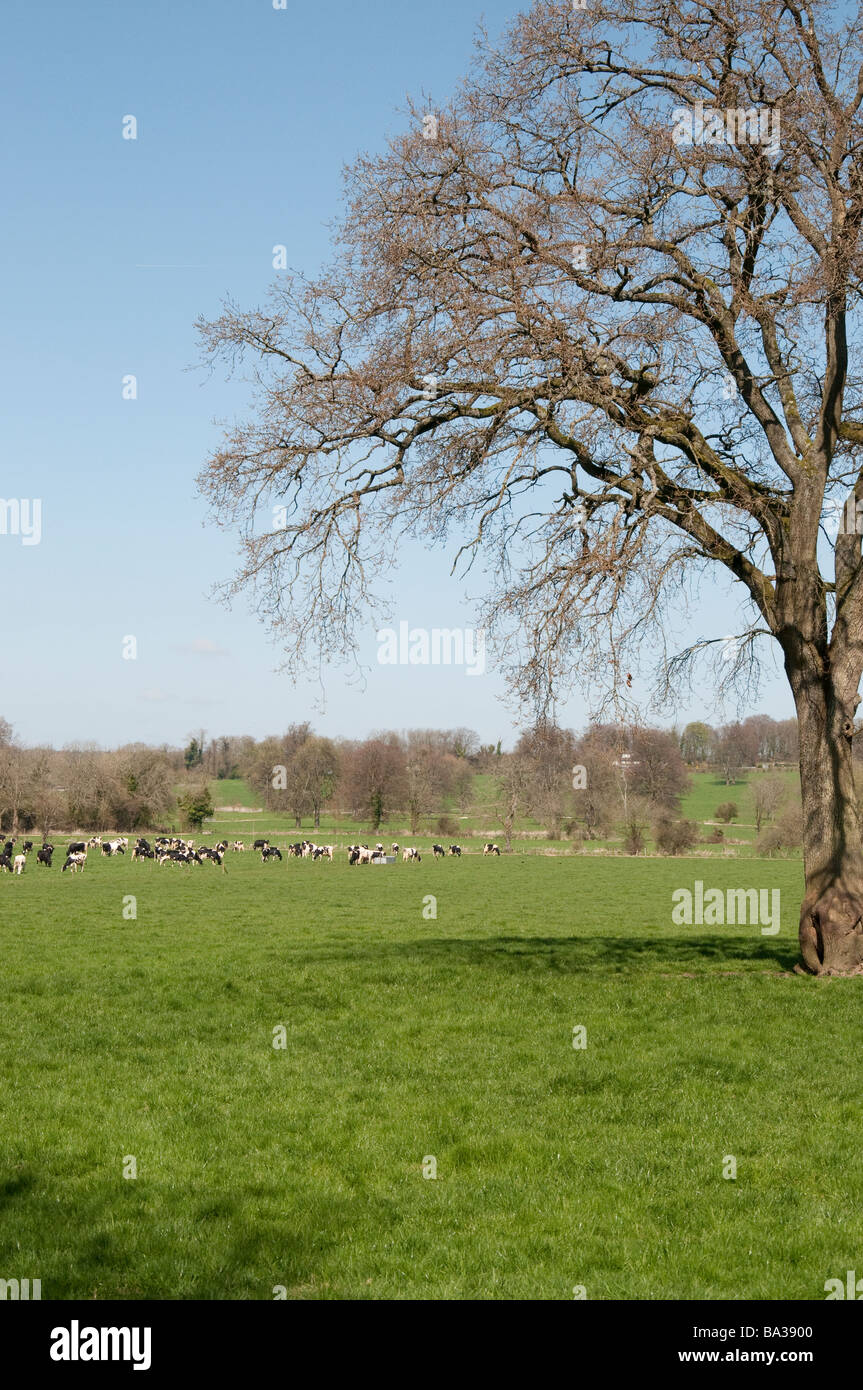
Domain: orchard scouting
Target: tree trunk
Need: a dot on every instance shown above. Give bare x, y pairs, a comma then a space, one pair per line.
831, 917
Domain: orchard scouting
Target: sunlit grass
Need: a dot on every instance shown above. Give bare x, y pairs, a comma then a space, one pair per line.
410, 1037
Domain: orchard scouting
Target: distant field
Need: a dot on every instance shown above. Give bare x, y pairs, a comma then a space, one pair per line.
411, 1038
483, 818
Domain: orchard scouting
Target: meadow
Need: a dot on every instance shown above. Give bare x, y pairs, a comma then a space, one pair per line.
409, 1038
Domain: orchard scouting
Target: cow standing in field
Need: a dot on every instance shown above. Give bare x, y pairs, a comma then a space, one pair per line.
412, 856
490, 849
270, 854
75, 860
6, 863
44, 856
19, 863
455, 850
438, 851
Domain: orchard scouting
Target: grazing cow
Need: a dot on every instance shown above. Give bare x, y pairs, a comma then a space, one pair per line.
76, 847
379, 849
6, 863
27, 846
261, 844
411, 856
490, 849
9, 846
19, 863
395, 847
238, 846
353, 856
96, 841
139, 852
43, 856
456, 850
270, 854
75, 860
438, 851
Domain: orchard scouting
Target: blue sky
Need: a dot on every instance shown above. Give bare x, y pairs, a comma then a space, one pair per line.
111, 249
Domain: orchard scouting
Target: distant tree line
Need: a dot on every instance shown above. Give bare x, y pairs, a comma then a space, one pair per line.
583, 786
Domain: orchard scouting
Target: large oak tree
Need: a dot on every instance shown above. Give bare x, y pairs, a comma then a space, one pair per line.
604, 337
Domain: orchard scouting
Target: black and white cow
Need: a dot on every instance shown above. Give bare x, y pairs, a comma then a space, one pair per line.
411, 856
490, 849
268, 853
456, 850
438, 851
75, 860
44, 856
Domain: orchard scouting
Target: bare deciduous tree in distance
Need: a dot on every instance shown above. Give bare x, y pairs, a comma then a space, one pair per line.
579, 332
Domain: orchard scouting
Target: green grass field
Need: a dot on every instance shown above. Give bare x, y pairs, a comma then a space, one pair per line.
409, 1038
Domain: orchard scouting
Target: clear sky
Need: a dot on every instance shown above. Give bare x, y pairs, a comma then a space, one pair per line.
111, 248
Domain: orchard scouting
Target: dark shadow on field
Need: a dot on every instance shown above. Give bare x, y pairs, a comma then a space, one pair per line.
577, 955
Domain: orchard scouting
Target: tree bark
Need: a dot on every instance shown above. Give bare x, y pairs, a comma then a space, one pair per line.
831, 915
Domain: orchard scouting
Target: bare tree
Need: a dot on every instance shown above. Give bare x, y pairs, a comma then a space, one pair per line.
768, 795
374, 777
316, 771
601, 276
658, 770
515, 785
549, 752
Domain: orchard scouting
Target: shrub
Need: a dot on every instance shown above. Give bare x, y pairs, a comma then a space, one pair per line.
727, 811
785, 835
633, 840
447, 826
195, 806
715, 837
675, 836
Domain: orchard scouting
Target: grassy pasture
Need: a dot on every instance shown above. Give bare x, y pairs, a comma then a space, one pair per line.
410, 1037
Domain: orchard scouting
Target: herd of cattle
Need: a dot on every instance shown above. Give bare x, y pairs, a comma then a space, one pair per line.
174, 850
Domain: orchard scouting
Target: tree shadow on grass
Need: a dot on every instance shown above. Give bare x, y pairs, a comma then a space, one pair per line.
581, 955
